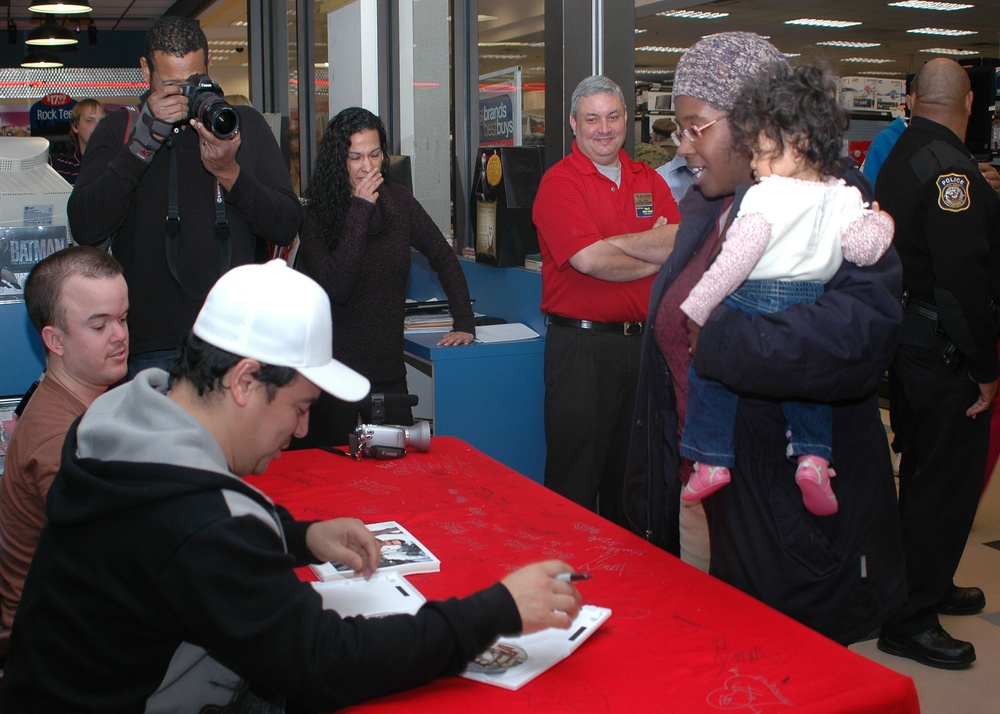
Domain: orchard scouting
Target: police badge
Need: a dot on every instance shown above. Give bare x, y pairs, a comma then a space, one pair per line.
953, 192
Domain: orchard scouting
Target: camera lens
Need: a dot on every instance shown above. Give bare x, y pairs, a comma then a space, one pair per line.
215, 113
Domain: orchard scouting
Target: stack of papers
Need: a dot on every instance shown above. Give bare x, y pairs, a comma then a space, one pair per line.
440, 322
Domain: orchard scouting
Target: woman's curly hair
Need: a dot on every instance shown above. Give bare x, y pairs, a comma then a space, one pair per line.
328, 195
796, 108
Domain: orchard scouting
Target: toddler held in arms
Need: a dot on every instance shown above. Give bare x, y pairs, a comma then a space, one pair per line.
794, 228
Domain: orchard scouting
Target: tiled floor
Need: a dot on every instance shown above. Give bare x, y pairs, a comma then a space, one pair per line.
976, 689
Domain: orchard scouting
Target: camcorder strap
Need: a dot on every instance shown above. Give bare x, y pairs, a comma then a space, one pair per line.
173, 227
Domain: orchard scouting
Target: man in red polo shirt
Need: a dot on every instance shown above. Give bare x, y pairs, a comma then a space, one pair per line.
605, 225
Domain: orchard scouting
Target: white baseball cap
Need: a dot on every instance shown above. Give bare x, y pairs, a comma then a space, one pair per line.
277, 315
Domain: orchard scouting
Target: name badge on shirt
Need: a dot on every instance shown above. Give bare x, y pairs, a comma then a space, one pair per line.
643, 205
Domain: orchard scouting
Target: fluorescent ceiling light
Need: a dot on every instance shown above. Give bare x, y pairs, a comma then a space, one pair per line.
503, 57
855, 45
924, 5
791, 54
881, 73
487, 18
942, 31
866, 60
763, 37
948, 51
511, 44
810, 22
675, 50
693, 14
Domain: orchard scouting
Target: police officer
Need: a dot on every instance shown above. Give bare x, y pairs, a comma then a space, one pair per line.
944, 374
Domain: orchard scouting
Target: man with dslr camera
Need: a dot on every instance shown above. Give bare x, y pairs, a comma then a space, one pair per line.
180, 203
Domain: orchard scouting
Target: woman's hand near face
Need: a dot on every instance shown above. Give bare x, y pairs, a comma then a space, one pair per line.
367, 186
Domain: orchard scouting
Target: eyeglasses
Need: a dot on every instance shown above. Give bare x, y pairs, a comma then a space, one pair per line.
692, 133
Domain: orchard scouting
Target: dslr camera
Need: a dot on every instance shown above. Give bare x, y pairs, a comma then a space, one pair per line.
385, 441
207, 104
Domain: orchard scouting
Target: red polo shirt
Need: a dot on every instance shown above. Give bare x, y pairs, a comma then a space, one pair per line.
576, 206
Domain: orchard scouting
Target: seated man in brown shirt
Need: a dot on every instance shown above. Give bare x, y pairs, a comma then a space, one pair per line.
77, 299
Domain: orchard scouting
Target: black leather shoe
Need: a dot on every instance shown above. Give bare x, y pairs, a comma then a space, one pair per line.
962, 601
933, 647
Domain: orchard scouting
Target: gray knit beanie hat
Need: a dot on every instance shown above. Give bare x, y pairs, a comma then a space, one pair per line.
716, 68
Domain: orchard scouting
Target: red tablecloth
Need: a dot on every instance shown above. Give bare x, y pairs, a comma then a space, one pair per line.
678, 640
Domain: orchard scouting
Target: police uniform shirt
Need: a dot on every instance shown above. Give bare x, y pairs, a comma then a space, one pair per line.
948, 236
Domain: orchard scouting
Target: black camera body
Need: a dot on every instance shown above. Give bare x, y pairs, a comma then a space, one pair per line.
207, 104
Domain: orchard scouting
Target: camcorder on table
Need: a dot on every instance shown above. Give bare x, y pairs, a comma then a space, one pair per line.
207, 104
388, 441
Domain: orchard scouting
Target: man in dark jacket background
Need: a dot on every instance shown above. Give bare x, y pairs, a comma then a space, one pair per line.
222, 195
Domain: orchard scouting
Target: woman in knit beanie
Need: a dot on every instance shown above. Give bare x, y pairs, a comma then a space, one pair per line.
843, 574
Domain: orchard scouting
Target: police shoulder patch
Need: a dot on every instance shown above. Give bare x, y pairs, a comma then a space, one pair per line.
953, 192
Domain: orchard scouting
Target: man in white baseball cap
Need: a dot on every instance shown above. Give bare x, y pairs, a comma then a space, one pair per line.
164, 582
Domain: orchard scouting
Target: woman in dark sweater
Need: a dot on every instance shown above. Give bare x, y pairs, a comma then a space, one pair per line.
356, 236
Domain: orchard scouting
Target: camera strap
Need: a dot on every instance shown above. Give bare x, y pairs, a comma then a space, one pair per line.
173, 228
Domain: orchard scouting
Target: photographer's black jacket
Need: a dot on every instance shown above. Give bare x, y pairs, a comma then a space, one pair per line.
118, 194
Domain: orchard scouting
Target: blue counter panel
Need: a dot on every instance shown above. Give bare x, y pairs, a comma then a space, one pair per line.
22, 357
490, 396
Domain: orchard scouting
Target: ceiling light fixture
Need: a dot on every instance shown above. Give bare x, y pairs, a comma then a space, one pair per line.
650, 48
854, 45
693, 14
867, 60
948, 51
77, 7
942, 31
41, 59
811, 22
924, 5
49, 34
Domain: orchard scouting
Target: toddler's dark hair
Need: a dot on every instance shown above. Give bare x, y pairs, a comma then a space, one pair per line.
796, 108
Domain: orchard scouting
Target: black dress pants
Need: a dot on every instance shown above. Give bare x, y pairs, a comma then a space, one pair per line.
590, 383
940, 475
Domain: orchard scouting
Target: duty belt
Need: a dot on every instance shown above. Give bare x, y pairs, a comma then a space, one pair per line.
919, 307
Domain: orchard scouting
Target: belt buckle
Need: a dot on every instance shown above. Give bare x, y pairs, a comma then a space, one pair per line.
631, 328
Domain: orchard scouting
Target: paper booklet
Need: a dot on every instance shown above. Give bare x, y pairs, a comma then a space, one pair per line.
512, 662
510, 332
401, 553
384, 594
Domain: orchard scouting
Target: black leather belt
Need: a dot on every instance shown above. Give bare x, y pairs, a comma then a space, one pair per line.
919, 307
621, 328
